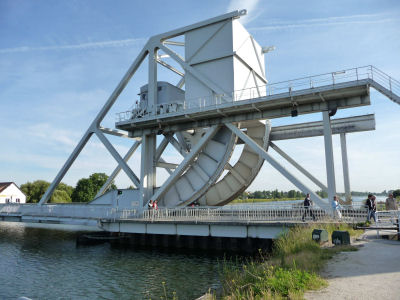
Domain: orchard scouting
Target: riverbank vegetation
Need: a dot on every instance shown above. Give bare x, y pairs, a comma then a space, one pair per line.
286, 273
273, 195
84, 191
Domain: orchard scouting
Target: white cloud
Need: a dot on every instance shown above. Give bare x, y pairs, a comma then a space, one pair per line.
250, 5
329, 21
82, 46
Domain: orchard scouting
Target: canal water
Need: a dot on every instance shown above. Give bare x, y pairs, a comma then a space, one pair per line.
45, 263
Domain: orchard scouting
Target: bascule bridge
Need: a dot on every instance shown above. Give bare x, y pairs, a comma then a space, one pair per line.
222, 99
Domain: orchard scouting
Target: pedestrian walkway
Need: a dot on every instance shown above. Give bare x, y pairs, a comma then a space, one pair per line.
372, 272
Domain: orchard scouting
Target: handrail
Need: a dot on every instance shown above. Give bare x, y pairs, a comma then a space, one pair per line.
283, 213
371, 73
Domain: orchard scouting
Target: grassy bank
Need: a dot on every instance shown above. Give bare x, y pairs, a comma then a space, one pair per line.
288, 272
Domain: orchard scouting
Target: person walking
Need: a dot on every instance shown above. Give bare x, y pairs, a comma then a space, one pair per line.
371, 204
336, 207
391, 203
307, 208
368, 203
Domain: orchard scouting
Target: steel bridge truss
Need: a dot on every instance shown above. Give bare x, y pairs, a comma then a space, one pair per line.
335, 93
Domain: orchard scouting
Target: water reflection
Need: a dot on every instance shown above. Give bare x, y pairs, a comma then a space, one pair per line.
43, 263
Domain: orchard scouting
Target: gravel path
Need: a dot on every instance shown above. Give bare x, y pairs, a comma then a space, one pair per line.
372, 272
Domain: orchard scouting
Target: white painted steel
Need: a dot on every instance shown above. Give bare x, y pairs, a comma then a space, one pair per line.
95, 124
132, 176
224, 74
312, 129
242, 174
226, 54
298, 167
321, 203
261, 213
367, 74
345, 164
167, 196
116, 171
330, 167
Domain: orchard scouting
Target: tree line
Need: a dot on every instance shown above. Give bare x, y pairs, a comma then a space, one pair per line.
275, 194
84, 191
87, 188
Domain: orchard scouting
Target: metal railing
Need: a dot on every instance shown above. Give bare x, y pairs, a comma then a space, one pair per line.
387, 218
260, 213
391, 86
77, 211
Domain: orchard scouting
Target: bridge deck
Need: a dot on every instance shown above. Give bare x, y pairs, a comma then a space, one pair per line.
341, 95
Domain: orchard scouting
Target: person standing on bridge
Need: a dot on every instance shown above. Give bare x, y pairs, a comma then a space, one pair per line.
336, 207
371, 207
391, 203
307, 208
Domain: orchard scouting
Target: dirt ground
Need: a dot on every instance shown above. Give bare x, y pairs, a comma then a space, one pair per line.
372, 272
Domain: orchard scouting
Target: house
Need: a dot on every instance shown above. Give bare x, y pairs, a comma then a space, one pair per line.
10, 193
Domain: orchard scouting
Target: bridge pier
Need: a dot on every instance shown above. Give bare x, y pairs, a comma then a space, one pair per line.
330, 166
346, 177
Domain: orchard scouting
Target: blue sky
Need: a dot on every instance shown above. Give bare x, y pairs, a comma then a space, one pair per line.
60, 60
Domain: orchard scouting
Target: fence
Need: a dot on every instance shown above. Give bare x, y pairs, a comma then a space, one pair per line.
266, 214
261, 213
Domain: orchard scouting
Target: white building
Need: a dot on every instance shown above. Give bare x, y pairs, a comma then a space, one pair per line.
10, 193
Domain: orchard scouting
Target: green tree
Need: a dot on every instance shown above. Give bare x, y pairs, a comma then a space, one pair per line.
87, 188
34, 191
322, 194
291, 194
84, 191
396, 193
60, 196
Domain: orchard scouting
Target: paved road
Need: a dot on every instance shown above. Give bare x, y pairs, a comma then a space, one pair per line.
373, 272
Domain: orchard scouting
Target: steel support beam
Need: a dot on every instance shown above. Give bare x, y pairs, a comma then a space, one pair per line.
148, 162
95, 124
261, 152
298, 167
167, 165
118, 158
166, 169
203, 79
330, 166
177, 146
182, 141
116, 171
147, 168
160, 149
65, 168
345, 164
185, 163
